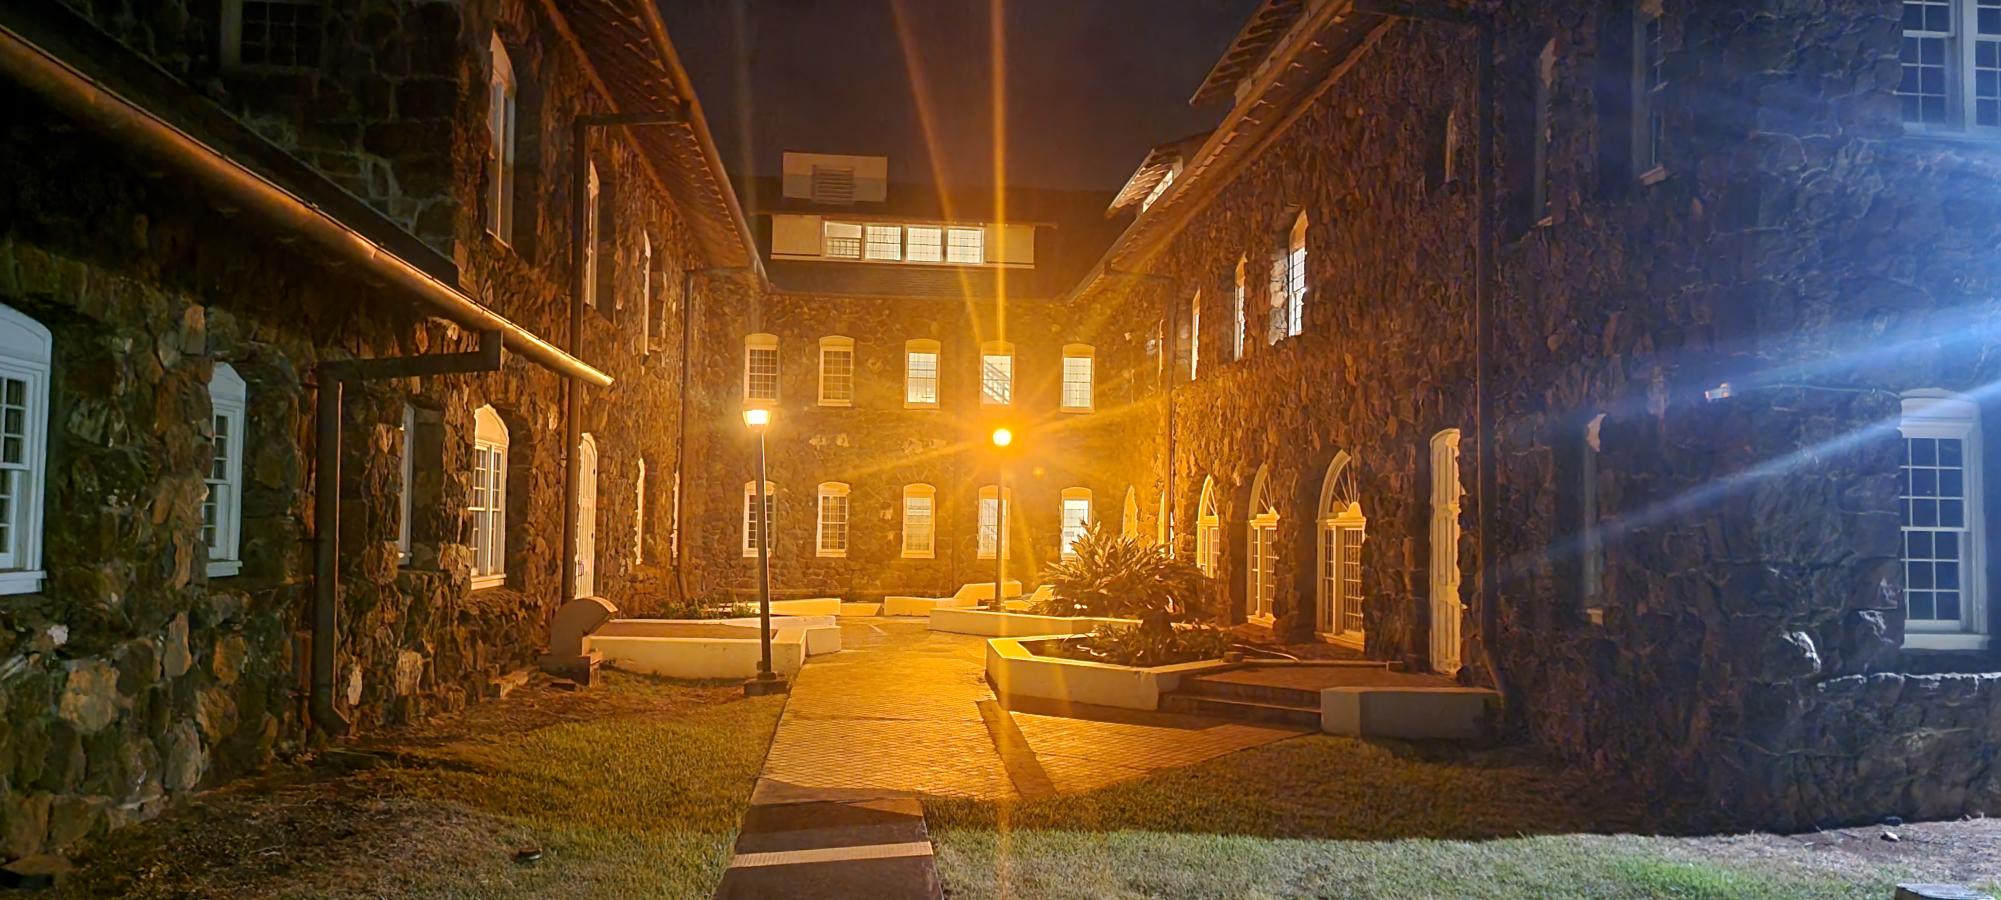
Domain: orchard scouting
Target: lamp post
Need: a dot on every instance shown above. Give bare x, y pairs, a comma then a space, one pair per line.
767, 681
1002, 437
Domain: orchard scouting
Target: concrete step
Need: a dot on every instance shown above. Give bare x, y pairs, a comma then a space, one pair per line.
1276, 695
1242, 710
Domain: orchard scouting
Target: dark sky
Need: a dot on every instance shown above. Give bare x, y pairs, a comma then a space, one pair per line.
1091, 84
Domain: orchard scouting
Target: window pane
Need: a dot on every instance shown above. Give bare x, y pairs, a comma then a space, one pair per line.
837, 375
997, 379
921, 378
884, 242
926, 244
1077, 382
762, 380
843, 240
966, 246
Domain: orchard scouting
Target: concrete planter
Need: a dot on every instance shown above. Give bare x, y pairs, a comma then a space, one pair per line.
1407, 713
713, 648
1016, 670
995, 623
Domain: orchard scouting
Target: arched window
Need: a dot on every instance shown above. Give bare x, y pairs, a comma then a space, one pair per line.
837, 370
760, 368
920, 374
1208, 530
222, 506
996, 373
1342, 527
1076, 518
832, 536
920, 521
751, 520
994, 515
1446, 608
1077, 378
587, 516
489, 499
1939, 493
1261, 549
1129, 523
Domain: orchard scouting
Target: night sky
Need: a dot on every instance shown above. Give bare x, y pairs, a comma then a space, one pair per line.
1091, 84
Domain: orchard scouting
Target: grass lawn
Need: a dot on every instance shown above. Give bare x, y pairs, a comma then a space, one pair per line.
632, 790
1323, 816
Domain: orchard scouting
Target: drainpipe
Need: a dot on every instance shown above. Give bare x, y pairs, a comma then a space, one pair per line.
333, 377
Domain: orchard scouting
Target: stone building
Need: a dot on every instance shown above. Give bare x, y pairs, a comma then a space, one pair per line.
223, 219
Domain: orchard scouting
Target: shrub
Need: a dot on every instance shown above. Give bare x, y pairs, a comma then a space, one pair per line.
1119, 577
1143, 646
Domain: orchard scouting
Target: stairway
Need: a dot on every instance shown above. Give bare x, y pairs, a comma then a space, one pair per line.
1296, 707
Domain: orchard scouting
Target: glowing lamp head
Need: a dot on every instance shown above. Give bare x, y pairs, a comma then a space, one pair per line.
1003, 437
757, 417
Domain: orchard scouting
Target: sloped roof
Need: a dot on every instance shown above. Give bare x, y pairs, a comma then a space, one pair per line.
1159, 162
1254, 42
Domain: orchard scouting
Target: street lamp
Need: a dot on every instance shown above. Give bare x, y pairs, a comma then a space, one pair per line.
767, 681
1002, 437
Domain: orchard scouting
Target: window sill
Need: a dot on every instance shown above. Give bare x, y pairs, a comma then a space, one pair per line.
21, 582
1266, 621
831, 554
223, 568
1950, 136
909, 405
1920, 640
840, 403
482, 582
1595, 615
1075, 410
1348, 639
909, 555
1654, 176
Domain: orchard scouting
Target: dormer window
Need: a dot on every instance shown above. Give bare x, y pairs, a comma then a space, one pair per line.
881, 242
843, 240
966, 246
926, 244
884, 242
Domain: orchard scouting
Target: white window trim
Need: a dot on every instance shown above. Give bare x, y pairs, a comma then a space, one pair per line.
847, 241
1939, 414
756, 342
997, 350
229, 397
639, 517
1961, 78
1066, 541
502, 94
770, 513
929, 493
407, 473
591, 188
1088, 354
1003, 512
1297, 284
830, 490
1542, 199
645, 293
490, 433
1208, 530
1259, 607
1195, 336
913, 348
837, 344
1243, 299
1648, 93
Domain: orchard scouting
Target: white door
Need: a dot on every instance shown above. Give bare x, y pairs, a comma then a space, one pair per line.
1446, 608
587, 516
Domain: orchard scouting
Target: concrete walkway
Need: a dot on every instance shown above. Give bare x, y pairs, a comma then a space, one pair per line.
904, 712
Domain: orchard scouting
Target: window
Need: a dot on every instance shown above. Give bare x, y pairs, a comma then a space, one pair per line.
1163, 526
1208, 531
996, 373
1295, 278
751, 520
1342, 528
645, 293
25, 352
1262, 551
920, 374
271, 34
1448, 160
500, 122
1939, 493
591, 235
920, 521
884, 242
841, 240
993, 520
587, 516
926, 244
837, 371
833, 533
639, 516
966, 246
1077, 385
674, 522
1542, 202
1446, 609
1194, 335
1242, 263
1591, 552
1951, 57
489, 499
222, 504
760, 368
407, 437
1129, 521
1076, 518
1649, 86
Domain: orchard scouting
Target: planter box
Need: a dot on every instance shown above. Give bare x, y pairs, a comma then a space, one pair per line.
969, 594
1412, 713
713, 648
1015, 670
860, 609
817, 606
993, 623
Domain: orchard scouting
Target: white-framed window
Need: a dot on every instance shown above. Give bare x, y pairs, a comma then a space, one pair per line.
591, 188
500, 123
832, 537
1295, 278
1342, 529
1129, 520
1194, 335
674, 522
489, 499
26, 350
1446, 608
837, 371
1078, 385
920, 521
751, 520
1208, 531
1542, 199
920, 374
995, 516
271, 34
1649, 86
1261, 550
924, 243
1951, 60
639, 516
841, 240
406, 436
760, 368
1242, 299
966, 246
1938, 496
882, 242
222, 504
1076, 518
645, 292
996, 373
586, 548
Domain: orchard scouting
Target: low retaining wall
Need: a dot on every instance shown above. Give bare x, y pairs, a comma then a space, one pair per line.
1016, 671
1917, 746
713, 648
1408, 713
992, 623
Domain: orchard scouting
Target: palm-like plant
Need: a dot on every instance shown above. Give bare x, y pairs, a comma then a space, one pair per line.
1114, 576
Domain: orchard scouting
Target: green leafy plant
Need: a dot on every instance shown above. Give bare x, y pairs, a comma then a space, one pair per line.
1144, 646
1118, 577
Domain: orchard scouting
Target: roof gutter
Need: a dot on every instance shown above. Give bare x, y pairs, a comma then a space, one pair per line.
113, 116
